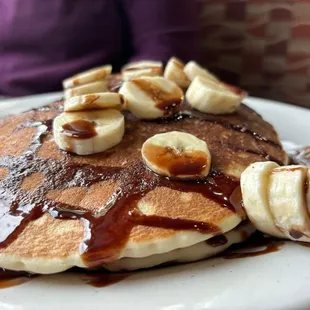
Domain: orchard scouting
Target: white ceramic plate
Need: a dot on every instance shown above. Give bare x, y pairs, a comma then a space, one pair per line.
277, 280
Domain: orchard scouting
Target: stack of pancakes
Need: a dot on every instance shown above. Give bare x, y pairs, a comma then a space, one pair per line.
59, 210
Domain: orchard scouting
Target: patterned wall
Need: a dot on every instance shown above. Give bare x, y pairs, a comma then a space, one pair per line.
261, 45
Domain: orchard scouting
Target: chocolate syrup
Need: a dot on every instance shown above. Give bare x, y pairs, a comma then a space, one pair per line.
10, 278
90, 101
103, 279
256, 245
296, 234
108, 232
109, 227
217, 241
177, 163
80, 129
304, 244
95, 278
99, 277
269, 248
164, 100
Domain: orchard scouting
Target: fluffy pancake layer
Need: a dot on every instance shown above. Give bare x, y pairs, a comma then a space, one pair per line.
198, 251
51, 199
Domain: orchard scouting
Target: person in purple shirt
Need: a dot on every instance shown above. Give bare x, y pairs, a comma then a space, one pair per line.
43, 42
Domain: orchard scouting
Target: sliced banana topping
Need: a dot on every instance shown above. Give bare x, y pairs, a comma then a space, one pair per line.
89, 76
192, 70
178, 155
287, 199
142, 68
276, 199
213, 97
94, 101
151, 97
88, 132
175, 72
254, 185
95, 87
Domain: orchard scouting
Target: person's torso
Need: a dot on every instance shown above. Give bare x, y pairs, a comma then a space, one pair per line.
42, 42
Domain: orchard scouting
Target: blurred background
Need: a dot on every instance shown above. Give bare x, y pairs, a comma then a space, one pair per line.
261, 45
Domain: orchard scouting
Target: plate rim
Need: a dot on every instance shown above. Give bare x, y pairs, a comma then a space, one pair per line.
250, 100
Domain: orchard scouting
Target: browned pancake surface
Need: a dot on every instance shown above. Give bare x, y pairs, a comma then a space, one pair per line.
235, 141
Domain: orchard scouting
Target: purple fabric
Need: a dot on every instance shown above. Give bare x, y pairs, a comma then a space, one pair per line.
44, 41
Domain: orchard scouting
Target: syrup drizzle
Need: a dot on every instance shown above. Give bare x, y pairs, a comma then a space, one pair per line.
256, 245
109, 228
177, 163
117, 221
164, 100
80, 129
13, 278
103, 279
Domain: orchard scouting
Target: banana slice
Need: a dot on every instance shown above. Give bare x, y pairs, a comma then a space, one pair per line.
308, 190
94, 102
192, 70
288, 203
142, 68
178, 155
213, 97
151, 97
254, 186
277, 199
175, 72
95, 87
88, 132
89, 76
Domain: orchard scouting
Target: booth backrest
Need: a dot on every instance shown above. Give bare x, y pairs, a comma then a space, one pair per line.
261, 45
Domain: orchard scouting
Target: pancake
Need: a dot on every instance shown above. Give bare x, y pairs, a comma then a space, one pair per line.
199, 251
59, 210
